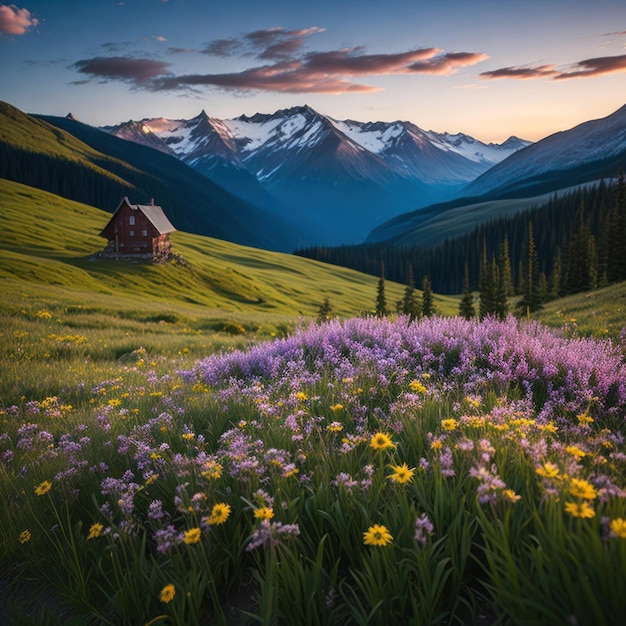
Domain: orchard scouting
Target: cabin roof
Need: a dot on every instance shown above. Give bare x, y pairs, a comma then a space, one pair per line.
154, 213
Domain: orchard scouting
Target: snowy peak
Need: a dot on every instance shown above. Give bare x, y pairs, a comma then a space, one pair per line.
139, 132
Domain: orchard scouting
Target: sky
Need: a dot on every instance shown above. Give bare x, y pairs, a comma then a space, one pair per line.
487, 68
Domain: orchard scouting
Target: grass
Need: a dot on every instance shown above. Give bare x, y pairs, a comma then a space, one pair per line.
219, 296
307, 448
107, 407
600, 313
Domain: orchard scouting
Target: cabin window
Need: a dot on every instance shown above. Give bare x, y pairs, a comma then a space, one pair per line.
144, 233
131, 233
131, 220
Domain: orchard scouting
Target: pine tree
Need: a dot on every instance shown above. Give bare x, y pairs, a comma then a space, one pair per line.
581, 257
324, 311
501, 303
485, 285
504, 263
616, 239
408, 304
381, 300
428, 304
467, 309
530, 300
554, 284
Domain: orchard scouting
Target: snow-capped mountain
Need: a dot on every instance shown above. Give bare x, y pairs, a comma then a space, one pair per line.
589, 151
139, 133
338, 178
434, 158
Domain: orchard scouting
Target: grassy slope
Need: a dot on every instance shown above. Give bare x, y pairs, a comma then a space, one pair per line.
599, 313
47, 243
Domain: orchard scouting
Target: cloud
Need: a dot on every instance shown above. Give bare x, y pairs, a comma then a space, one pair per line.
222, 47
354, 62
595, 67
582, 69
269, 44
285, 77
326, 72
284, 67
447, 63
14, 21
174, 50
541, 71
128, 69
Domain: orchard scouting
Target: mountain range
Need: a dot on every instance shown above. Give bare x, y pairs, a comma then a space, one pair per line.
80, 162
294, 178
337, 179
588, 152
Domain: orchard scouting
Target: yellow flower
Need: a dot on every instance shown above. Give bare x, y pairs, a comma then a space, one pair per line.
187, 436
212, 470
336, 407
511, 495
576, 452
25, 536
95, 531
335, 427
380, 441
192, 536
377, 535
583, 418
167, 593
417, 387
436, 445
301, 396
582, 489
43, 488
264, 512
582, 509
449, 424
618, 526
550, 427
219, 514
548, 470
402, 473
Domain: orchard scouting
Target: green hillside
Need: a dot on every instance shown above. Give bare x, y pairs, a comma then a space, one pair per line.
49, 242
82, 163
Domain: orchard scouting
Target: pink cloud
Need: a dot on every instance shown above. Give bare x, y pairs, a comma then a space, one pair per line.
14, 21
326, 72
595, 67
586, 68
447, 63
285, 77
353, 62
522, 73
288, 68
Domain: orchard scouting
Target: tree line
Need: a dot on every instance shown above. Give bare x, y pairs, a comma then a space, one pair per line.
574, 242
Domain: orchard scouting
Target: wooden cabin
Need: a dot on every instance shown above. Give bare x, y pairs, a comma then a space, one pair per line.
138, 231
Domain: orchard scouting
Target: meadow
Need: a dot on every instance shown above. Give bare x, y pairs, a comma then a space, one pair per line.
368, 471
184, 444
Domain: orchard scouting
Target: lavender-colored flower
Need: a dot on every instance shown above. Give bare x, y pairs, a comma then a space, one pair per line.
423, 529
155, 510
270, 534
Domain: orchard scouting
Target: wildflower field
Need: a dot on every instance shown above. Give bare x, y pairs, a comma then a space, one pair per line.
367, 471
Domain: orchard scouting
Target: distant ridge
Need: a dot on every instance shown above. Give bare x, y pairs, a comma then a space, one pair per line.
338, 179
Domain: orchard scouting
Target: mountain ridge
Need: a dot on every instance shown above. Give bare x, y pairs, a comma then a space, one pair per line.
578, 156
323, 172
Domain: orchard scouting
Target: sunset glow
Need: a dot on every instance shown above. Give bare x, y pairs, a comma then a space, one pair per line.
488, 69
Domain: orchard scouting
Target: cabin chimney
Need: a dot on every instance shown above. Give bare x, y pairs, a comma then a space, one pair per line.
152, 201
